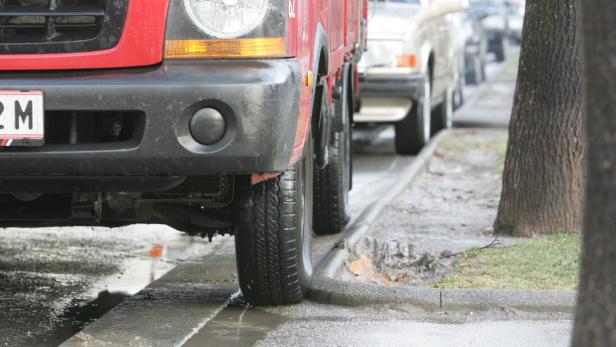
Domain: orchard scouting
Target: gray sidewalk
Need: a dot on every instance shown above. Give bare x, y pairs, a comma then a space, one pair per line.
451, 206
447, 209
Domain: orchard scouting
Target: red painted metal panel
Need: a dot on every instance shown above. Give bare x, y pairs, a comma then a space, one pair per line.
141, 45
341, 21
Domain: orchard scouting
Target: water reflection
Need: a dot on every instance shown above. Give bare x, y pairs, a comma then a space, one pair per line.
237, 326
138, 269
76, 316
146, 266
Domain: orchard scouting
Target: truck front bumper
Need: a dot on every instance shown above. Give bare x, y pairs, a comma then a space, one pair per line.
259, 101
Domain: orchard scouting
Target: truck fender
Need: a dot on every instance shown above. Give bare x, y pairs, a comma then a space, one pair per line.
323, 127
321, 119
342, 93
321, 51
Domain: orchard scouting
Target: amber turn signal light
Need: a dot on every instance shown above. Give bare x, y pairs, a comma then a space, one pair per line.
407, 61
271, 47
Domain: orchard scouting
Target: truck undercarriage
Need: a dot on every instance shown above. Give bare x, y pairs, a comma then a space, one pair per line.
196, 205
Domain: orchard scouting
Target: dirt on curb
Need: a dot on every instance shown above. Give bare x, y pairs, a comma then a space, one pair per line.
445, 211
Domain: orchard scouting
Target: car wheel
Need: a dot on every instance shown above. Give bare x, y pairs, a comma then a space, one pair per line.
332, 183
413, 132
474, 76
274, 234
459, 92
442, 117
502, 50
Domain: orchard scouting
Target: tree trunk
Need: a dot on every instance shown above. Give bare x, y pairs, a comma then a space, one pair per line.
543, 177
595, 321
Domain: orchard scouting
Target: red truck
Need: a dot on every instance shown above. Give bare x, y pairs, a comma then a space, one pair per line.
211, 116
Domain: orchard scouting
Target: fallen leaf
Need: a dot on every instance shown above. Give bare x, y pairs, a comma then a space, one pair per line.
363, 270
361, 266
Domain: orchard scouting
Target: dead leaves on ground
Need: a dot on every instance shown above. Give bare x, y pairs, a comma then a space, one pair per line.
364, 271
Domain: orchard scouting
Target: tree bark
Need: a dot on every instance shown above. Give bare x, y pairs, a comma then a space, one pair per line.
543, 177
595, 321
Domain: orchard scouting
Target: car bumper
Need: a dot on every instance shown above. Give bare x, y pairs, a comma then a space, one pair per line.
258, 99
388, 98
391, 85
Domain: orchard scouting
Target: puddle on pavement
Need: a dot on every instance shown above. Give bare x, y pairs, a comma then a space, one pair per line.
238, 325
79, 314
138, 270
148, 266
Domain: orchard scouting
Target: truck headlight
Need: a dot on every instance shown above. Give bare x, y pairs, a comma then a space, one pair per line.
198, 29
227, 18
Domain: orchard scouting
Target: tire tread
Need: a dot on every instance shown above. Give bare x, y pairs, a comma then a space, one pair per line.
330, 212
266, 242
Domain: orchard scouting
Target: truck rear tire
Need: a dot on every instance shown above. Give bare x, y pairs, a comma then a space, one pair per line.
413, 132
333, 183
273, 236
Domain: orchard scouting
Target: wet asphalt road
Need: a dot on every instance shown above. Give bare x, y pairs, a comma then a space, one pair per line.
54, 280
153, 286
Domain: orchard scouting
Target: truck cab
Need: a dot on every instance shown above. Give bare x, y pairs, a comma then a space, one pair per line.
213, 117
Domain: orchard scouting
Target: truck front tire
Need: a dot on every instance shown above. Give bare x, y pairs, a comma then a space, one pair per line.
274, 233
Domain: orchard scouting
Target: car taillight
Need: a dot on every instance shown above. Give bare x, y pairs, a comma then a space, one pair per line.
227, 29
406, 60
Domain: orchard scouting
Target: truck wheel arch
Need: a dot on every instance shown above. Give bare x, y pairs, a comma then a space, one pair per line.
320, 63
320, 70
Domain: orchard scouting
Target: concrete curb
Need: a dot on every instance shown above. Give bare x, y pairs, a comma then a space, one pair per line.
326, 288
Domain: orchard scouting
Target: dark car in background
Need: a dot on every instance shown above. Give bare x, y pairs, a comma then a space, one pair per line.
475, 41
494, 18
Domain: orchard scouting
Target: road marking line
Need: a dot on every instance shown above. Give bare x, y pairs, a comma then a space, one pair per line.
204, 322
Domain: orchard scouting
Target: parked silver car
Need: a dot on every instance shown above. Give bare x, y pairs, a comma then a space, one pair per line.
410, 71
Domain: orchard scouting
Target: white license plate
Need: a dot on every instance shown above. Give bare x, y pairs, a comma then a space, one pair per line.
22, 118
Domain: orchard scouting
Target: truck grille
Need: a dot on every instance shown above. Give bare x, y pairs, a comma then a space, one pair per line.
60, 26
